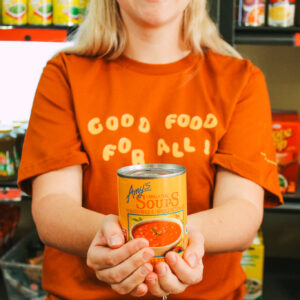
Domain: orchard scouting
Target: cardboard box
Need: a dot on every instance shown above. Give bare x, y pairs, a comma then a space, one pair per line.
253, 264
286, 136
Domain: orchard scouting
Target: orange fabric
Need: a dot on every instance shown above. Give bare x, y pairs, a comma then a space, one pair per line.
198, 112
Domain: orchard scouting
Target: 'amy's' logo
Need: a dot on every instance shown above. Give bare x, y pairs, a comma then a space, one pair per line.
139, 191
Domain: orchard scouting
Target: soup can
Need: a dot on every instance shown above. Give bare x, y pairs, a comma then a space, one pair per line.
254, 12
14, 12
281, 13
153, 205
66, 12
40, 12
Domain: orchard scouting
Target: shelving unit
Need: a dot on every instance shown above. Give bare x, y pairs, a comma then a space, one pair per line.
267, 36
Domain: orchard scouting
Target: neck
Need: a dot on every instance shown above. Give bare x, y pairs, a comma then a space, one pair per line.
155, 45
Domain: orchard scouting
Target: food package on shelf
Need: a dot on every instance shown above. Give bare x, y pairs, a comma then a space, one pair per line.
253, 264
286, 135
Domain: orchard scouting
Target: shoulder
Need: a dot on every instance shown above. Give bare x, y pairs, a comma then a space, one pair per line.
231, 75
230, 67
72, 63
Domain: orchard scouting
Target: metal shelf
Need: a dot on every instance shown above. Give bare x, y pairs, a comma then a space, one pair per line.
267, 36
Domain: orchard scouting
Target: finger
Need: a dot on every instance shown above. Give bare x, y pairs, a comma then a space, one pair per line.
121, 271
154, 287
134, 280
167, 280
112, 231
183, 271
140, 291
195, 250
103, 257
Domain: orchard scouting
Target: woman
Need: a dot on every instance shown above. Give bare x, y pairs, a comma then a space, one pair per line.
148, 81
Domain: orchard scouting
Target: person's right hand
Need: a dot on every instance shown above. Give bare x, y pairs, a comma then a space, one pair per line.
124, 266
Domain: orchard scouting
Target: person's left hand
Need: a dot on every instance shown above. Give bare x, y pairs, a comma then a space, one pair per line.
174, 276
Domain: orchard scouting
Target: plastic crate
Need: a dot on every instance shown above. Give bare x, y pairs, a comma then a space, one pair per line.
22, 280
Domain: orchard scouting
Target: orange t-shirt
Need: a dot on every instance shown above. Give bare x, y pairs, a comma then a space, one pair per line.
202, 111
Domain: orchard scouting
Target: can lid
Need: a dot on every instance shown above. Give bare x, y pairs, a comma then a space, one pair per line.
148, 171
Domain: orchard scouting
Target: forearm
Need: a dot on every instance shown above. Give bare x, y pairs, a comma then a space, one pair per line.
66, 225
229, 227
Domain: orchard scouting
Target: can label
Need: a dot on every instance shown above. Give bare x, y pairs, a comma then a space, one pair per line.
254, 12
40, 12
66, 12
14, 12
155, 209
281, 13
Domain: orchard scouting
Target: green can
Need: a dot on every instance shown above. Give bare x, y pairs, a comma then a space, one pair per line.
40, 12
66, 12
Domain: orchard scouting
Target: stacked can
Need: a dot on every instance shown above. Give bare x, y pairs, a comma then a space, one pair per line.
40, 12
14, 12
254, 12
281, 13
66, 12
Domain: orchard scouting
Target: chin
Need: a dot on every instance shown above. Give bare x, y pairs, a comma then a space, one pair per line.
153, 13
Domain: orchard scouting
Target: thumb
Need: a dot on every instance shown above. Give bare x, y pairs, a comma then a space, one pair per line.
112, 231
195, 249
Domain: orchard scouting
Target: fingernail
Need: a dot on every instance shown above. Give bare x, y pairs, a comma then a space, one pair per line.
172, 258
115, 240
145, 269
147, 255
143, 243
192, 260
151, 281
161, 269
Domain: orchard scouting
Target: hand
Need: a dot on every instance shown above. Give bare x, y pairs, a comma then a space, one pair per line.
177, 274
123, 266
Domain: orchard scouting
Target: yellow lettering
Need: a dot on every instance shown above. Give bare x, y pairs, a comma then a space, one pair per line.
183, 120
108, 151
196, 123
175, 150
170, 119
94, 126
162, 147
144, 125
112, 123
211, 121
187, 145
127, 120
138, 157
124, 145
206, 147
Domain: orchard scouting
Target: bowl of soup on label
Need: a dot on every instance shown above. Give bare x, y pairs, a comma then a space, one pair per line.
162, 234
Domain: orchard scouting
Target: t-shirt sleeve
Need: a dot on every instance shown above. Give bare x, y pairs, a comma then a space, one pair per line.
247, 147
52, 140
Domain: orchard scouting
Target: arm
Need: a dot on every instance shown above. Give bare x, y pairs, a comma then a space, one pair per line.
236, 215
57, 210
229, 226
64, 224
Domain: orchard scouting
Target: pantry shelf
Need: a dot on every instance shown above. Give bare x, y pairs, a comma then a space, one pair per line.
268, 35
36, 33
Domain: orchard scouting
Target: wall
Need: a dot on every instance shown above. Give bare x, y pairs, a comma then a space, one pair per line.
21, 64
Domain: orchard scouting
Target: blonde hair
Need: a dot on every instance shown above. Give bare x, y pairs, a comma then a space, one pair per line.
103, 33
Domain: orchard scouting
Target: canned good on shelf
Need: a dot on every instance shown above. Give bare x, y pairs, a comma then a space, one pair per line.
8, 166
254, 12
66, 12
40, 12
14, 12
281, 13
